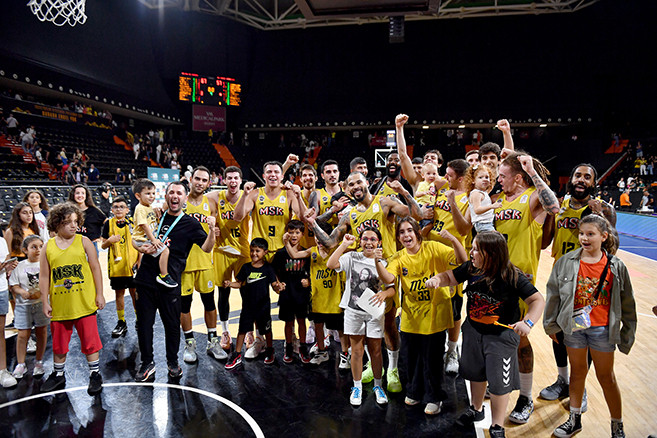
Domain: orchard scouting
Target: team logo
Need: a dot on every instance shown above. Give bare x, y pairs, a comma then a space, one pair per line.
222, 203
324, 198
314, 256
282, 200
68, 283
404, 272
375, 208
210, 285
354, 215
464, 200
261, 199
524, 199
206, 207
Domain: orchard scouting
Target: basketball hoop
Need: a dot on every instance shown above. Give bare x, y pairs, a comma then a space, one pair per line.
59, 12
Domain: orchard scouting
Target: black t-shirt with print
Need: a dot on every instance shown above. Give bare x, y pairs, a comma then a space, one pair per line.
495, 302
255, 285
291, 271
187, 232
93, 223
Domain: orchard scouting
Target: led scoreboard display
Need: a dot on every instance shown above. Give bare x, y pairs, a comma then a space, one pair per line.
206, 90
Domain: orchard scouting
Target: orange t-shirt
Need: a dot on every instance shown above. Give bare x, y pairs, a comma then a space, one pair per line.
588, 279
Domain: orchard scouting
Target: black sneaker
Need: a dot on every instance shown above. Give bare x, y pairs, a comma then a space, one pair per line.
470, 416
269, 356
617, 429
54, 382
303, 353
496, 431
522, 411
95, 384
175, 372
288, 357
166, 281
120, 330
146, 373
556, 391
570, 427
234, 361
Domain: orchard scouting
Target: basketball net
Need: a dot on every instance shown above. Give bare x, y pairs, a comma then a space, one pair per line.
59, 12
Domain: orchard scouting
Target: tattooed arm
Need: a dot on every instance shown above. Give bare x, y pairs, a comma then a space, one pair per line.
546, 196
401, 210
330, 241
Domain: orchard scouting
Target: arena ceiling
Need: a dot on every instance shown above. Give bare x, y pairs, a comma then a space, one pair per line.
301, 14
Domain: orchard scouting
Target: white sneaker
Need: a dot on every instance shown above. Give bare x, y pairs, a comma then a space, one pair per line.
6, 379
310, 334
31, 346
249, 340
452, 362
433, 408
19, 371
297, 344
320, 357
411, 402
39, 370
257, 348
380, 394
356, 397
345, 361
189, 356
214, 349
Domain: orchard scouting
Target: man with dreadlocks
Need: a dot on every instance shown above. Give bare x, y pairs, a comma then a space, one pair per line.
526, 202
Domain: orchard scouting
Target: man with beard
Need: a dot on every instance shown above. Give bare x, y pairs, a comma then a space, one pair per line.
310, 199
393, 173
331, 198
577, 204
179, 232
378, 212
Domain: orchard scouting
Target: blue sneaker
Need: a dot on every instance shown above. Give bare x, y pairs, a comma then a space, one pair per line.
356, 397
381, 397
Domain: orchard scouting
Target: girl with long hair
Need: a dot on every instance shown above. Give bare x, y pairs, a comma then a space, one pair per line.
40, 207
93, 217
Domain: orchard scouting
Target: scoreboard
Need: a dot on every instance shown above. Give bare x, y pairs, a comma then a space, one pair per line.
209, 90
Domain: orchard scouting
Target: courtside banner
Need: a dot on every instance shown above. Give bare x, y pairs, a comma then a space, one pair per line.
206, 117
161, 178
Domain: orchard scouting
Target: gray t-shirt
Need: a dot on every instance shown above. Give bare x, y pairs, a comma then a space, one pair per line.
26, 275
361, 274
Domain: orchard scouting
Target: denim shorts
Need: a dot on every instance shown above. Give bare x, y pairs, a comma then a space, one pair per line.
596, 338
4, 302
28, 315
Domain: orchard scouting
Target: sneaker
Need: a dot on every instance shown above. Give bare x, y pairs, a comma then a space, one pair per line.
288, 357
95, 383
234, 361
617, 430
297, 344
225, 342
52, 383
31, 346
433, 408
345, 361
452, 362
314, 349
19, 371
368, 374
39, 370
189, 355
320, 357
175, 372
496, 431
214, 349
522, 411
166, 281
394, 385
10, 326
303, 353
411, 402
7, 380
257, 348
269, 356
557, 390
310, 334
146, 373
356, 396
381, 397
470, 416
249, 340
570, 427
120, 330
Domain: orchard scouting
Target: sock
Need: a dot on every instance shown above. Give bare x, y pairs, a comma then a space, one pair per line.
451, 346
393, 358
563, 372
617, 420
526, 384
378, 382
121, 315
59, 368
574, 410
224, 326
358, 384
189, 335
367, 352
257, 334
212, 333
94, 365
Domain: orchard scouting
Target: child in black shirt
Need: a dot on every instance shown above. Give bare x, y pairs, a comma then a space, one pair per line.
253, 280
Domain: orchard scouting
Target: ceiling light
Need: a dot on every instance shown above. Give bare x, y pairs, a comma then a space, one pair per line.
461, 126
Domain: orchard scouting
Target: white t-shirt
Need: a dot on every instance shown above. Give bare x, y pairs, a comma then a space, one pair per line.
26, 275
43, 228
361, 274
486, 217
4, 252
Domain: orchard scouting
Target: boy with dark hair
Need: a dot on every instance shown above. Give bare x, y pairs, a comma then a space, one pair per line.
121, 258
256, 305
295, 298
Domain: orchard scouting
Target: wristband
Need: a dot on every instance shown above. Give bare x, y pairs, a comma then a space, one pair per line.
529, 322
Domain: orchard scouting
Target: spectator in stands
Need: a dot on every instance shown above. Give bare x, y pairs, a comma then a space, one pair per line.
647, 201
136, 147
80, 176
77, 156
107, 195
158, 153
132, 176
650, 165
621, 184
639, 150
12, 127
120, 176
93, 174
38, 154
631, 183
625, 203
161, 135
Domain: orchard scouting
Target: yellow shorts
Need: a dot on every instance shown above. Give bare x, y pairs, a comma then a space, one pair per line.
202, 281
226, 266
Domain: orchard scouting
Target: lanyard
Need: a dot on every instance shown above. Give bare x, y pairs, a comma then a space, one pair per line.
170, 228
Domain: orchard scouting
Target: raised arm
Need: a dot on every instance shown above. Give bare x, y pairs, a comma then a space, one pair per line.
384, 274
443, 279
459, 251
546, 197
290, 161
390, 204
208, 245
504, 126
334, 260
246, 202
407, 166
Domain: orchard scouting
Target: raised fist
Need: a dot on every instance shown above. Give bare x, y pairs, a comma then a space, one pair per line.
348, 239
401, 120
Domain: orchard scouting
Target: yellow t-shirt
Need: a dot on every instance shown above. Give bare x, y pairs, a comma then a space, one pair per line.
424, 311
326, 285
270, 216
375, 218
72, 288
122, 249
199, 260
429, 198
566, 229
443, 219
144, 215
234, 236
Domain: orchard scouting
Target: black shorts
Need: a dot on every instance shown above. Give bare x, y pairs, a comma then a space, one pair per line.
117, 283
332, 321
260, 316
294, 307
457, 306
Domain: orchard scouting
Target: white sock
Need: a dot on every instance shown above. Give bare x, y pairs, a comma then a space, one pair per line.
563, 372
358, 384
575, 410
378, 382
224, 326
451, 346
526, 384
393, 358
367, 352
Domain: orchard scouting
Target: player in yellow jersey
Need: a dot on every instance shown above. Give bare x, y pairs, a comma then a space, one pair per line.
526, 202
199, 272
331, 195
413, 176
578, 203
231, 250
376, 212
310, 198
